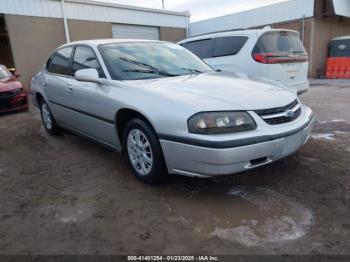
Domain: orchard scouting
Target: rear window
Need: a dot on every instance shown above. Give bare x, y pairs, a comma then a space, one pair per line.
201, 48
60, 62
279, 42
340, 48
229, 45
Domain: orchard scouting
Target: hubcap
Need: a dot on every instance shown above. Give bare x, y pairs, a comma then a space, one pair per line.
46, 116
140, 152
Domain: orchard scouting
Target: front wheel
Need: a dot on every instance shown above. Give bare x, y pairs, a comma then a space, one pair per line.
48, 120
144, 152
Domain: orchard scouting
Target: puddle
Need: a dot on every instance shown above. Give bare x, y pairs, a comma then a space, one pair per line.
68, 214
333, 121
251, 216
323, 136
54, 142
340, 132
311, 159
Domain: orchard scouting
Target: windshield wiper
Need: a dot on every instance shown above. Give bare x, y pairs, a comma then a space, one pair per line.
153, 70
192, 70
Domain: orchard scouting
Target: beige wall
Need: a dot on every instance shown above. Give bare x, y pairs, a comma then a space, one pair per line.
32, 40
84, 30
172, 34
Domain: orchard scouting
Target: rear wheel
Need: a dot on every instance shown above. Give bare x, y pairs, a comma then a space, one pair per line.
48, 120
144, 152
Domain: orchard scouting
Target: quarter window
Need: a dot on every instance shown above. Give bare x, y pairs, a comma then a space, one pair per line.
60, 62
230, 45
201, 48
85, 58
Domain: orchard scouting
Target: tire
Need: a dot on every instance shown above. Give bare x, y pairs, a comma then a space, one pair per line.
48, 120
145, 157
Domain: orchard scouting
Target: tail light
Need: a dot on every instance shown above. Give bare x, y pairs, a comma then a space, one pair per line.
278, 58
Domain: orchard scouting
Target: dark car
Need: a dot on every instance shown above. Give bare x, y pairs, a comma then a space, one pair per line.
13, 97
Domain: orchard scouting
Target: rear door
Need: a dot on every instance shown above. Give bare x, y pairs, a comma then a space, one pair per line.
55, 83
281, 56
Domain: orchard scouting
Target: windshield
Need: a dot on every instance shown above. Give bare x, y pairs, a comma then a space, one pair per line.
133, 61
4, 73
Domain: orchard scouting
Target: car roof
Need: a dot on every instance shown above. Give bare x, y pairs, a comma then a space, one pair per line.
239, 32
97, 42
341, 38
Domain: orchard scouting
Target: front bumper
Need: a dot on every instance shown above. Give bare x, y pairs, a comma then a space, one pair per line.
16, 103
193, 160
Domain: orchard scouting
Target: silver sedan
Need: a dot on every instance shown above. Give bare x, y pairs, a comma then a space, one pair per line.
168, 110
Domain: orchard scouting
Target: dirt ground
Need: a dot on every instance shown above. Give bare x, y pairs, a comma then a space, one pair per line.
66, 195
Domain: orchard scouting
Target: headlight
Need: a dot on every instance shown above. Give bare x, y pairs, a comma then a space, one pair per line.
220, 123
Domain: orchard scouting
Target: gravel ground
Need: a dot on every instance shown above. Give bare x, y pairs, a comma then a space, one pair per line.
66, 195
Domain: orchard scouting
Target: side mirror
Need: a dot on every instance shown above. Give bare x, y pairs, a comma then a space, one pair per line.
88, 75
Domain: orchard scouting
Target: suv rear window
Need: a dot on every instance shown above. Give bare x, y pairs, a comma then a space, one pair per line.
201, 48
229, 45
279, 42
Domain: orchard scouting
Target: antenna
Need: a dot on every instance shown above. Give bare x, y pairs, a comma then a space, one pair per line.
163, 4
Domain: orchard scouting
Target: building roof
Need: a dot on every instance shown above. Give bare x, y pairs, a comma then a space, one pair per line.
96, 11
284, 11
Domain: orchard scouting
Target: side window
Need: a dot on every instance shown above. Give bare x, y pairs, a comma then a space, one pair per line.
201, 48
230, 45
60, 62
84, 58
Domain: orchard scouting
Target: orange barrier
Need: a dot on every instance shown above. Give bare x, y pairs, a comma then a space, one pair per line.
338, 68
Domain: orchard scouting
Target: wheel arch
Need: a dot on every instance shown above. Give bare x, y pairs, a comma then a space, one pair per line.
124, 115
38, 98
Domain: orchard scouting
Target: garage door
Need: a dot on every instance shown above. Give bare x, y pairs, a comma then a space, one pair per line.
136, 32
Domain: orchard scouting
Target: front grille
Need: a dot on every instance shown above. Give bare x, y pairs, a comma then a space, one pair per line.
12, 93
281, 115
5, 102
6, 98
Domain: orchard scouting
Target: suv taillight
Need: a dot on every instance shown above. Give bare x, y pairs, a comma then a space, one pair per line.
278, 58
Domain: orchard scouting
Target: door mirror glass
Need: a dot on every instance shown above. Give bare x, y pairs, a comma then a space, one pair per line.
88, 75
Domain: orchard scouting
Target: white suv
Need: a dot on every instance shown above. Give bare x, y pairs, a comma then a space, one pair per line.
269, 53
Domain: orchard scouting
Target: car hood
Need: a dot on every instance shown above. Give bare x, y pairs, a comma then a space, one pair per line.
8, 84
219, 91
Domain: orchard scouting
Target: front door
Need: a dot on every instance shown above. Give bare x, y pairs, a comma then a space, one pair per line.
88, 101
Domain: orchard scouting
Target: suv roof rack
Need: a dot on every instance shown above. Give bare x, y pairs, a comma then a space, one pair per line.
221, 31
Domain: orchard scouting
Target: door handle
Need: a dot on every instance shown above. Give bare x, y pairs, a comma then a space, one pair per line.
69, 88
